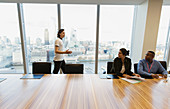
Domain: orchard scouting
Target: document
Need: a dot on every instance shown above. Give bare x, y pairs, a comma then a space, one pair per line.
138, 78
133, 81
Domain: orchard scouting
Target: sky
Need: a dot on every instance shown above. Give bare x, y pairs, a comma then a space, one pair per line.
115, 21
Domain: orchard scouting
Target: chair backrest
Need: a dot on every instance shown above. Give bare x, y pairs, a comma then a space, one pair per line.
163, 63
135, 67
41, 67
110, 68
74, 68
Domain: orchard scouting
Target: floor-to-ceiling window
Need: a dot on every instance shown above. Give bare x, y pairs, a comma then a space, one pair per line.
115, 32
11, 60
41, 27
79, 22
163, 33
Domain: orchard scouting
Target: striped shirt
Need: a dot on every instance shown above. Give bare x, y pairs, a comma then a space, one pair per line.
147, 69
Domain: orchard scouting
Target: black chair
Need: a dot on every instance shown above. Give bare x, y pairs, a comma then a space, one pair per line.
163, 63
74, 68
110, 68
41, 67
135, 67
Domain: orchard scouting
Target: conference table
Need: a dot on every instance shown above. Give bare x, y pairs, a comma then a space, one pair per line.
82, 91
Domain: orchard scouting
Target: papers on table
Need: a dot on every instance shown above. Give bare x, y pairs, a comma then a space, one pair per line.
131, 80
138, 78
134, 79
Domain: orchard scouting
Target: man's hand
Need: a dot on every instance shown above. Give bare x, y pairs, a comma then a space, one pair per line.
164, 76
155, 76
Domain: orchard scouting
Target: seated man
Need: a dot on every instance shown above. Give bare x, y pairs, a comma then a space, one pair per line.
149, 67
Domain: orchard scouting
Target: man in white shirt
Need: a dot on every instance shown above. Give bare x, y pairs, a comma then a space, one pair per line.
59, 58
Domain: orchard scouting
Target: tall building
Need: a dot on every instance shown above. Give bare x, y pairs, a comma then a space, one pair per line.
28, 40
6, 40
17, 40
38, 41
46, 37
73, 39
17, 58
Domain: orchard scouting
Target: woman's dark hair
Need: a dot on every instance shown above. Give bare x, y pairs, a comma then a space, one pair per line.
124, 51
60, 31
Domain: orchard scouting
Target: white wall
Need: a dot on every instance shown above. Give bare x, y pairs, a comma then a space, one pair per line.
145, 30
152, 25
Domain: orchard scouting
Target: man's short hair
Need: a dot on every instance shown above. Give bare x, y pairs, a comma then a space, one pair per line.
152, 52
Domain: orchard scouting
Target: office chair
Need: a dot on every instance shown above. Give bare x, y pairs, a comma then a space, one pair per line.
163, 63
110, 68
135, 67
41, 67
74, 68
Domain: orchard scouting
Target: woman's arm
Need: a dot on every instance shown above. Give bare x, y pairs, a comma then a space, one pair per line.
62, 52
116, 67
129, 72
126, 76
134, 74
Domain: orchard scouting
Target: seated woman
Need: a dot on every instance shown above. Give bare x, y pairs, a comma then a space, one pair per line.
122, 64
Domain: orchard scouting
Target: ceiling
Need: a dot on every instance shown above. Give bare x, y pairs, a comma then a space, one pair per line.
111, 2
116, 2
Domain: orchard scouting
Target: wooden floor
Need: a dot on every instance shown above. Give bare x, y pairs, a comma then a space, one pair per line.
82, 92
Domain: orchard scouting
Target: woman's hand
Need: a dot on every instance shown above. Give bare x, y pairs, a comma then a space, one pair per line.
68, 52
137, 75
128, 76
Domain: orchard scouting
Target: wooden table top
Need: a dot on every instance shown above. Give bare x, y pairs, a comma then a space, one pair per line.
86, 91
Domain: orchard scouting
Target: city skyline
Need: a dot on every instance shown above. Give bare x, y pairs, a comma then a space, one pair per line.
80, 28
